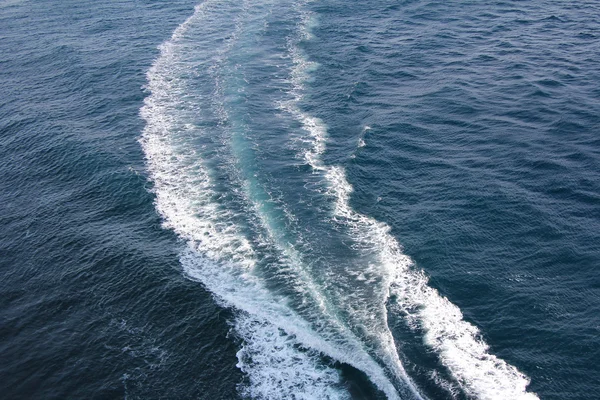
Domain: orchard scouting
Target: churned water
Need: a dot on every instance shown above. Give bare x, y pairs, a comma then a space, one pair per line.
299, 200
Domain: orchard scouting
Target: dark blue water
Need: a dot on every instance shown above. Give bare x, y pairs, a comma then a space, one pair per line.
299, 200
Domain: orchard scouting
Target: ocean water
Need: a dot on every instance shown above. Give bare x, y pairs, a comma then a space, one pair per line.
299, 199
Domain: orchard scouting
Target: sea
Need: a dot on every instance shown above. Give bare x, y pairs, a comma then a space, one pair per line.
300, 199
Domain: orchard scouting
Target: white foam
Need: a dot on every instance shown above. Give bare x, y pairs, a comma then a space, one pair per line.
263, 314
375, 331
457, 342
276, 363
219, 255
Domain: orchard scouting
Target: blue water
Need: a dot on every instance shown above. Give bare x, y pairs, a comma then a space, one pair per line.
299, 200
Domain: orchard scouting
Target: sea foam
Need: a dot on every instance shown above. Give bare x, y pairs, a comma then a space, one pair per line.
457, 342
281, 352
217, 253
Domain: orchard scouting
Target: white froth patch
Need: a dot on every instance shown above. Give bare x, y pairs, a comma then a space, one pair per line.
280, 353
276, 363
264, 314
458, 342
183, 188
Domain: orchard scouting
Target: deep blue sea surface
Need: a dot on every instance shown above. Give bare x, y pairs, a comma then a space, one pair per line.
299, 199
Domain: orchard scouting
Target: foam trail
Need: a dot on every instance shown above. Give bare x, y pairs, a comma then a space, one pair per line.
378, 333
316, 306
480, 374
333, 333
281, 351
458, 342
218, 254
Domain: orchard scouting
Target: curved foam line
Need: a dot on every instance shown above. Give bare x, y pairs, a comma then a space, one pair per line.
457, 342
318, 134
185, 198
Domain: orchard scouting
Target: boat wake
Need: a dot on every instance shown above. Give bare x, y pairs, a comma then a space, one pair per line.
297, 313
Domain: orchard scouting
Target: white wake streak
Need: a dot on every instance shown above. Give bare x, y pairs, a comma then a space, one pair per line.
457, 342
218, 254
281, 350
281, 354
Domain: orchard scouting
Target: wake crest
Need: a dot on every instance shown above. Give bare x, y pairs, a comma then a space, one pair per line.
457, 342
